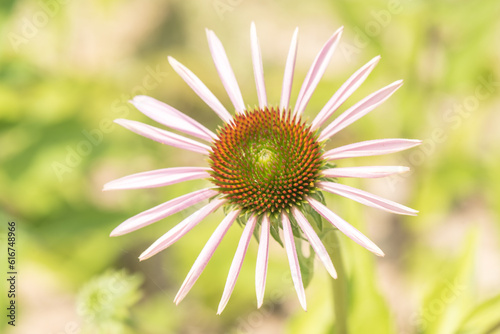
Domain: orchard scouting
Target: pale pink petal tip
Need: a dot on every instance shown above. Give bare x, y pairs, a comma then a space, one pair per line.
316, 71
289, 70
314, 241
171, 117
179, 230
205, 255
345, 227
225, 71
158, 178
162, 211
365, 171
164, 137
258, 69
200, 89
239, 256
360, 109
366, 198
344, 92
370, 148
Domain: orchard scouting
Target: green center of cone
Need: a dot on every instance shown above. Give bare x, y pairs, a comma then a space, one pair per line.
265, 157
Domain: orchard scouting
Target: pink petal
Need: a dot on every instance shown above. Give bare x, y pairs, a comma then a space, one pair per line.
158, 178
171, 117
162, 211
345, 227
360, 109
205, 255
365, 171
316, 71
366, 198
225, 71
164, 137
262, 258
289, 69
179, 230
201, 90
344, 92
258, 70
239, 256
293, 260
371, 147
314, 240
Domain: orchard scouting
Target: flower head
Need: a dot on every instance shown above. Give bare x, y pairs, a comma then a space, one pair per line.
265, 161
267, 165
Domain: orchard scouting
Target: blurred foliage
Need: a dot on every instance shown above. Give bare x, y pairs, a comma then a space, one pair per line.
68, 68
104, 302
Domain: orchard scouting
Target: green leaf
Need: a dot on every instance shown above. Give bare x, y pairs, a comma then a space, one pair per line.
315, 217
256, 230
368, 310
105, 301
275, 230
483, 319
297, 232
306, 262
449, 298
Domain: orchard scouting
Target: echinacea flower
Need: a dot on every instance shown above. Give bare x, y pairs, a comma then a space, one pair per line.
266, 164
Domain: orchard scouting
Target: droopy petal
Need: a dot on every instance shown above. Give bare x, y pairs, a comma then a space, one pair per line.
293, 260
162, 211
205, 255
314, 240
371, 147
344, 92
239, 256
262, 258
179, 230
164, 137
225, 71
345, 227
289, 69
360, 109
171, 117
316, 71
258, 70
364, 171
158, 178
200, 89
366, 198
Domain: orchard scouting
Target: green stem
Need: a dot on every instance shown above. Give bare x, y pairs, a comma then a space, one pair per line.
339, 285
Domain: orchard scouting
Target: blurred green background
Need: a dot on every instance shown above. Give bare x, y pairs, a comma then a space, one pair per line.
67, 68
